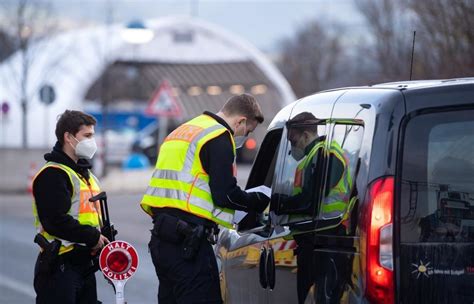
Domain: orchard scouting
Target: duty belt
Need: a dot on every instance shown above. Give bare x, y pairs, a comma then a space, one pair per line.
186, 228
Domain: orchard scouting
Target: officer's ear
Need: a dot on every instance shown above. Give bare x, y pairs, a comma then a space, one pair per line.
68, 138
306, 136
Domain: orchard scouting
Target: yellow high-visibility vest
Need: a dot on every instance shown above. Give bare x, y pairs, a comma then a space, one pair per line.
300, 169
337, 203
85, 212
179, 180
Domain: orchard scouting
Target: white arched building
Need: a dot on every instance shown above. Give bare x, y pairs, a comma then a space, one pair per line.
74, 62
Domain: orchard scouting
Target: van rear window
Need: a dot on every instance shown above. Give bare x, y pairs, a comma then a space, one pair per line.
438, 178
436, 263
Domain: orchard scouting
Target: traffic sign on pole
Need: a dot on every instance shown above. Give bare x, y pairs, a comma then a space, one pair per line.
5, 107
47, 94
118, 262
163, 102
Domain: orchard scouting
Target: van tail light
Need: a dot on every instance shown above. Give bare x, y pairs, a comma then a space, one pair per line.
376, 241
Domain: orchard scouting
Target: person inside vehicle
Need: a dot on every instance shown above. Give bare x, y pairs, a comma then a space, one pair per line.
308, 201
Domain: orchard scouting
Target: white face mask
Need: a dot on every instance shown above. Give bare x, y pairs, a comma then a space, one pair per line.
85, 148
239, 141
297, 153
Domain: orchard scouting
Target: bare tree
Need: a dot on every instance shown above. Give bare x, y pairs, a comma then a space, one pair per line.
445, 33
310, 59
6, 45
444, 37
28, 22
390, 44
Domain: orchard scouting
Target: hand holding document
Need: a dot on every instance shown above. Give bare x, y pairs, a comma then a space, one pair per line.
264, 189
239, 215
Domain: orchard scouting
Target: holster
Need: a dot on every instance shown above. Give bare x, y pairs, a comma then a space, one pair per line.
177, 231
48, 258
192, 242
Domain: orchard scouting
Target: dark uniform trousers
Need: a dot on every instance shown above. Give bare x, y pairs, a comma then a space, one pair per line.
184, 280
67, 283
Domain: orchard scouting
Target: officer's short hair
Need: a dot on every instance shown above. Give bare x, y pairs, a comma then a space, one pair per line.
304, 121
71, 121
245, 105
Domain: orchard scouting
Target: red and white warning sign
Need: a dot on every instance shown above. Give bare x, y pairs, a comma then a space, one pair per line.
163, 102
118, 261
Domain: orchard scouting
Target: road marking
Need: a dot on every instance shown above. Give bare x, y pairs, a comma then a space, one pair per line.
17, 286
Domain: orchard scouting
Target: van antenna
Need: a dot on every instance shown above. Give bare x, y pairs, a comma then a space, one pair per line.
412, 53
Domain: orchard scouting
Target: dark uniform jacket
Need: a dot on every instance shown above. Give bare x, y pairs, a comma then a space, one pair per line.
52, 190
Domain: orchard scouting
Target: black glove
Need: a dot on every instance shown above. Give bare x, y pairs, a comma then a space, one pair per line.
260, 202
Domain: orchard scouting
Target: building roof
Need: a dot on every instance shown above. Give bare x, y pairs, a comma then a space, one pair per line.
214, 83
185, 48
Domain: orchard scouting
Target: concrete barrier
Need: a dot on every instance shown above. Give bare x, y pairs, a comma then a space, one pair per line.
15, 170
15, 167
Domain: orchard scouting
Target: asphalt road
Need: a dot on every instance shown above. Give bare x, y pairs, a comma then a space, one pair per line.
18, 252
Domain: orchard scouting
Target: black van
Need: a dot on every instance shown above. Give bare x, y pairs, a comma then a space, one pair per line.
399, 228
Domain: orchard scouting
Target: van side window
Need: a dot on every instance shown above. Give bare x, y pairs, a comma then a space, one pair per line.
437, 196
264, 165
339, 198
262, 174
297, 185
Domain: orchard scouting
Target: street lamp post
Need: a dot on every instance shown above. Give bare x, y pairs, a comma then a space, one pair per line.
136, 33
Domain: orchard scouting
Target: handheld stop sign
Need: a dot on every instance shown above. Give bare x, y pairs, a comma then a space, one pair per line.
118, 262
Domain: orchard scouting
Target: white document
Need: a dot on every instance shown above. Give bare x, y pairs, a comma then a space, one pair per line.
238, 216
264, 189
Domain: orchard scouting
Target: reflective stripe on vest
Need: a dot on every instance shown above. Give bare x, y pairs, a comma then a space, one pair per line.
85, 212
336, 202
179, 180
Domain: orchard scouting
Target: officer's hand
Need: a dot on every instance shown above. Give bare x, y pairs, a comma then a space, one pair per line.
101, 243
279, 202
261, 202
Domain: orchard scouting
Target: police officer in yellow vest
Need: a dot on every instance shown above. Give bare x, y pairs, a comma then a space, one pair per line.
311, 151
193, 190
62, 212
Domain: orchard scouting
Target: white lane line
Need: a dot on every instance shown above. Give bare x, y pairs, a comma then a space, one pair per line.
17, 286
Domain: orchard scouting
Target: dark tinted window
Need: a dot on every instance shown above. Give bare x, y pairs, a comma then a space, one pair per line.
437, 202
437, 210
262, 174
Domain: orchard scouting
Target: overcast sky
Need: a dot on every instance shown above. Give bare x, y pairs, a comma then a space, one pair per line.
264, 23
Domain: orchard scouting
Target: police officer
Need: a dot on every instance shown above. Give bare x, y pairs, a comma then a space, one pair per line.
62, 212
309, 148
193, 190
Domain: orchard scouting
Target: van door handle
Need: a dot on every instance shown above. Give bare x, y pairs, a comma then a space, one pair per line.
262, 269
271, 269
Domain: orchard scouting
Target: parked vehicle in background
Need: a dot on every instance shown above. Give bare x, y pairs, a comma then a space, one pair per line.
122, 126
401, 227
146, 143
